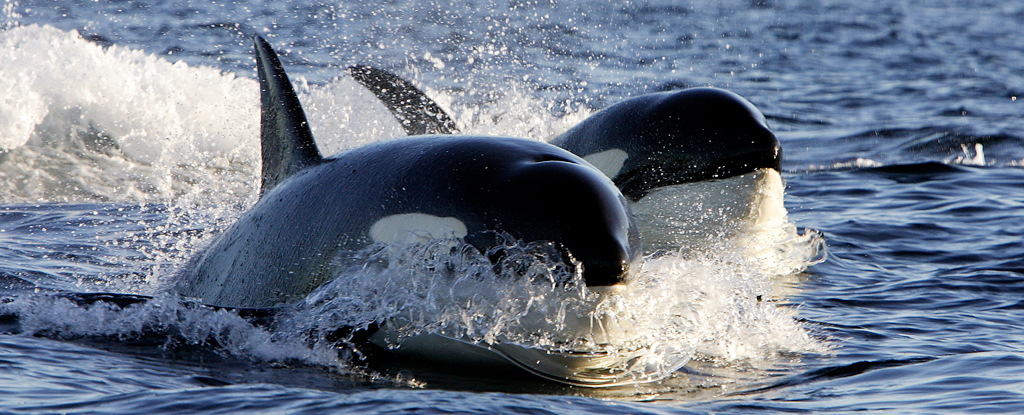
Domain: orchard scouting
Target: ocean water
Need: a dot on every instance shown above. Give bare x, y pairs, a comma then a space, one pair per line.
129, 138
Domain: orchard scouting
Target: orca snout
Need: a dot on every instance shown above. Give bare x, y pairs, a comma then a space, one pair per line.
611, 269
584, 213
606, 247
608, 254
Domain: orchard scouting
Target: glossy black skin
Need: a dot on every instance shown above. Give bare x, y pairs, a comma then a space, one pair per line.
417, 113
312, 211
678, 137
671, 137
281, 249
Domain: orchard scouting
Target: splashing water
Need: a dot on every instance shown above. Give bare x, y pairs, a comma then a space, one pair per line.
131, 127
183, 324
675, 307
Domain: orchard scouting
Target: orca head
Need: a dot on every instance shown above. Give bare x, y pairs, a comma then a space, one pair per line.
642, 143
574, 204
700, 134
677, 137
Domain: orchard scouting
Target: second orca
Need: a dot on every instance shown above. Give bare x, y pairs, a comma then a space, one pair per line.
696, 165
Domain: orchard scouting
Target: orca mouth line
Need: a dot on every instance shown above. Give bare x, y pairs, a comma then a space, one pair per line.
584, 368
637, 183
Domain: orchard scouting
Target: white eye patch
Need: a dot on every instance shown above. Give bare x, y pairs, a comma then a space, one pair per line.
608, 162
416, 227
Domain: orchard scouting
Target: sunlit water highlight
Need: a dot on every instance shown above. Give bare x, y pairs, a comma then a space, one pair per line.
901, 133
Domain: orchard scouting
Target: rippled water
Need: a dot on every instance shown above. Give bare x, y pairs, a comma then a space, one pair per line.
900, 123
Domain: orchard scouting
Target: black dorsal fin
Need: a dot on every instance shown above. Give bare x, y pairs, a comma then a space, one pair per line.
286, 141
417, 113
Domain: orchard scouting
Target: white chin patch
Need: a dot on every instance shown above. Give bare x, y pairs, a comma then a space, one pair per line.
608, 162
416, 228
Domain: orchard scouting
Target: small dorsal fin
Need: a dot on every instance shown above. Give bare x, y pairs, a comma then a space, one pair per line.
285, 138
417, 113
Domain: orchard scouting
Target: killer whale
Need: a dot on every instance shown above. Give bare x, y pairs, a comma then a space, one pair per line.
643, 143
699, 166
313, 209
676, 137
696, 165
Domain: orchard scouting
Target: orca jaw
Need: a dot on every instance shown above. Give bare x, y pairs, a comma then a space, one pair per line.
658, 170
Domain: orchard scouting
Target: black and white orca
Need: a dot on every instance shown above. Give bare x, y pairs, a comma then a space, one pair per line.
313, 208
672, 138
642, 143
696, 164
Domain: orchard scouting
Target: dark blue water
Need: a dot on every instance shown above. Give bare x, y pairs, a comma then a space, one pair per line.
129, 137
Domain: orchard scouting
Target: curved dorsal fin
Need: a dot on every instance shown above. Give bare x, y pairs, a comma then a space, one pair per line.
286, 141
417, 113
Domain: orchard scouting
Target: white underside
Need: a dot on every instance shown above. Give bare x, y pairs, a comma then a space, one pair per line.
690, 216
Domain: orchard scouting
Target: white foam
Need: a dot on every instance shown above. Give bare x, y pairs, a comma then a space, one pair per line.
167, 131
515, 113
715, 302
343, 114
86, 123
858, 163
966, 159
146, 103
182, 324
